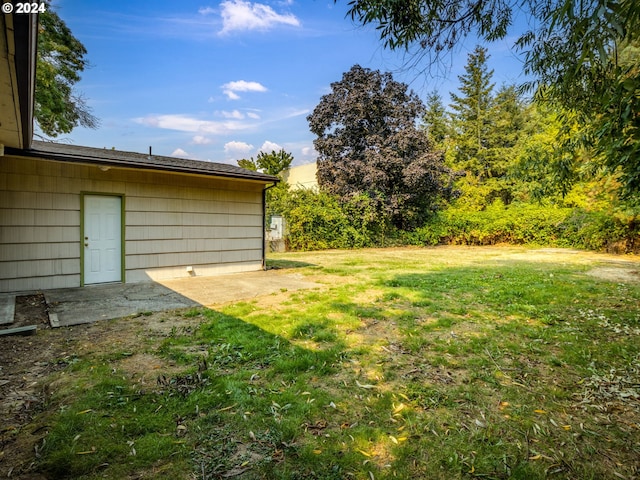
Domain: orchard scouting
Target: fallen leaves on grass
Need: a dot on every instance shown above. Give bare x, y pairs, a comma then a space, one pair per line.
366, 386
604, 391
182, 384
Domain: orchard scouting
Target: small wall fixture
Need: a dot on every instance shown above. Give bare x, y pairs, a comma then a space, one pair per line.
104, 168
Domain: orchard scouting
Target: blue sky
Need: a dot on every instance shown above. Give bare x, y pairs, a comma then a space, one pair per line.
223, 80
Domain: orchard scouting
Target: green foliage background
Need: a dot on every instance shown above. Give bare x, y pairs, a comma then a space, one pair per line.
523, 175
317, 220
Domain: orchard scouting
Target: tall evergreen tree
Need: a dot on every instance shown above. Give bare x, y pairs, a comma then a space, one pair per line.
472, 109
509, 118
436, 119
487, 129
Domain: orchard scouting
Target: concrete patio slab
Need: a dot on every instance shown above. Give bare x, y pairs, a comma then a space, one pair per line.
7, 308
73, 306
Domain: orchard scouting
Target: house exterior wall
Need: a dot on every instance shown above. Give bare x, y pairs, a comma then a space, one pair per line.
303, 176
171, 221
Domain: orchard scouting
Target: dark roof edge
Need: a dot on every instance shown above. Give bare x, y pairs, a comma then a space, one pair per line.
132, 164
26, 37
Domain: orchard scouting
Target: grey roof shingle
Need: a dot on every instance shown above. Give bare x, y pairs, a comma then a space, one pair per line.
117, 158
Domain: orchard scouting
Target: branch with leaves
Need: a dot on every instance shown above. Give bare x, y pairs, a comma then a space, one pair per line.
59, 108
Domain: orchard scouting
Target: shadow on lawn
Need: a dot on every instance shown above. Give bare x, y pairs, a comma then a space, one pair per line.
279, 264
230, 397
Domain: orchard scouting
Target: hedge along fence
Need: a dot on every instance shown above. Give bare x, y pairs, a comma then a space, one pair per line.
317, 221
521, 225
530, 224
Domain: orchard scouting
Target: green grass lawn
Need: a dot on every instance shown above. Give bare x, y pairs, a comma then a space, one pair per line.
439, 363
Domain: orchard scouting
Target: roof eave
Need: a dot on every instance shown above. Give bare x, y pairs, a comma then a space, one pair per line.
261, 178
26, 30
18, 53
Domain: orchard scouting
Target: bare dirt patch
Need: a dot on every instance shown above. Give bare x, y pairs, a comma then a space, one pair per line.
26, 364
618, 273
146, 367
30, 310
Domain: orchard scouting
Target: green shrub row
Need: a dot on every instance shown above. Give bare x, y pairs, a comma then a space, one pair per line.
319, 221
531, 224
521, 225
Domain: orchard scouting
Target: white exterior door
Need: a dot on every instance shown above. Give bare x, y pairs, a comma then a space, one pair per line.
102, 239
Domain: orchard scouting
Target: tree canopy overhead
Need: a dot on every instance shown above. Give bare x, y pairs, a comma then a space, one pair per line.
434, 25
61, 58
369, 145
586, 27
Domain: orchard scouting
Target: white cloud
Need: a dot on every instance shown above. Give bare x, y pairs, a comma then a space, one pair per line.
268, 147
231, 88
253, 115
232, 95
178, 152
206, 11
201, 140
243, 15
309, 152
235, 114
296, 113
184, 123
237, 148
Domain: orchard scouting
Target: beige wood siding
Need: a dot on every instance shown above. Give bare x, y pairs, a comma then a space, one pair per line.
171, 221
